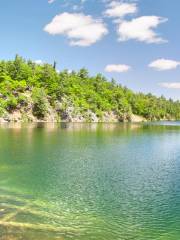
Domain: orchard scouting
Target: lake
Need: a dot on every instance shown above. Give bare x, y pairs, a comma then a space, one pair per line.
90, 181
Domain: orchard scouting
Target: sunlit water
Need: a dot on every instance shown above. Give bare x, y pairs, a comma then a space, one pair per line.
89, 181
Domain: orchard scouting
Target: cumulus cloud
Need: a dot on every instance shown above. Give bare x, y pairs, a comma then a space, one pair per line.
119, 68
118, 9
141, 29
82, 30
174, 85
164, 64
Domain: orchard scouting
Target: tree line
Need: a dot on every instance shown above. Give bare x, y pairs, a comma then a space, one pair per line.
84, 92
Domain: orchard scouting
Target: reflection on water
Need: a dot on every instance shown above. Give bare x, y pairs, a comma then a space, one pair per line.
90, 181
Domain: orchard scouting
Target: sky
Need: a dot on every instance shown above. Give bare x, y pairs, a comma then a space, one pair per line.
135, 42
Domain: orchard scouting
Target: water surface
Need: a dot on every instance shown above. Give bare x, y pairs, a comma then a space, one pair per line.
90, 181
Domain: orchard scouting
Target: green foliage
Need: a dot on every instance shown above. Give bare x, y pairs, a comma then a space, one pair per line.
11, 103
40, 104
2, 107
85, 93
22, 100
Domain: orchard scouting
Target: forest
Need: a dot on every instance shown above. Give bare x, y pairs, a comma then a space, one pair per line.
36, 91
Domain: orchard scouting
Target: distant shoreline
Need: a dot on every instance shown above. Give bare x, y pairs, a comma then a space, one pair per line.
135, 119
31, 92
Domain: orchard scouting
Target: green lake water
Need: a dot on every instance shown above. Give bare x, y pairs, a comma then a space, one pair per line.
90, 181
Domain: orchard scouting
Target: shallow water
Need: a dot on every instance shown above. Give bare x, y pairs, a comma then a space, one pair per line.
90, 181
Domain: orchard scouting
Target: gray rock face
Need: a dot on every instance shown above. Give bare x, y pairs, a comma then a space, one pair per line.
61, 111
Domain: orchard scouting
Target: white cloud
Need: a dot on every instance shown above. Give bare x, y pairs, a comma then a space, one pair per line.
51, 1
117, 68
174, 85
164, 64
82, 30
120, 9
141, 29
39, 62
70, 71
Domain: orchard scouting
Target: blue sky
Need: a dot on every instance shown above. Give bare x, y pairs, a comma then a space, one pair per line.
135, 42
